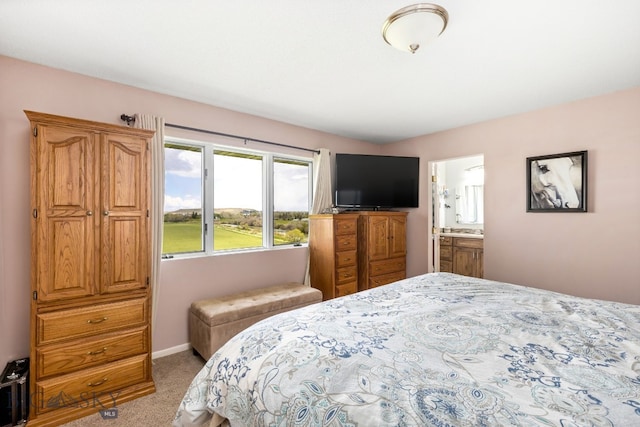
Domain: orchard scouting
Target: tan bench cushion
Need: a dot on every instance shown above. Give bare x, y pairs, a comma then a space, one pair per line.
214, 321
225, 309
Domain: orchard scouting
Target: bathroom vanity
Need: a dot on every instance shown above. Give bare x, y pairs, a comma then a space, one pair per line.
461, 253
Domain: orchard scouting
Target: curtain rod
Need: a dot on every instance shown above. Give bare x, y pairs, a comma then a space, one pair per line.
130, 119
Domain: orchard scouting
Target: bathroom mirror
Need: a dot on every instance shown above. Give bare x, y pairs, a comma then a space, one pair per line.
460, 193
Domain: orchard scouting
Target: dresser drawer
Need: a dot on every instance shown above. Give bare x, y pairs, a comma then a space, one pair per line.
386, 279
346, 243
346, 289
343, 226
346, 258
81, 387
88, 321
56, 360
392, 265
346, 274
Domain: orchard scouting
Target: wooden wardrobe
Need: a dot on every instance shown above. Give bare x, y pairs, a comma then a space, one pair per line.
90, 267
382, 248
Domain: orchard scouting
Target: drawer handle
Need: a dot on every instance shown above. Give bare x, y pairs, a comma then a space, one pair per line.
96, 352
94, 321
96, 384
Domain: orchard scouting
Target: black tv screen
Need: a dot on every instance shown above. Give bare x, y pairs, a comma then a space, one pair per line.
376, 182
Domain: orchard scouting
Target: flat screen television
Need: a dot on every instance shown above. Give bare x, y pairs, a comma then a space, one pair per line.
376, 182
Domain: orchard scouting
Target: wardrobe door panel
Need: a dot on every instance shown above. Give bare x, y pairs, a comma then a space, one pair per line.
64, 172
125, 263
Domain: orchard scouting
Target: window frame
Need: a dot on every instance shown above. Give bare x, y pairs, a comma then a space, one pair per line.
207, 188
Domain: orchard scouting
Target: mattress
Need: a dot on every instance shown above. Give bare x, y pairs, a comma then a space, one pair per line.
434, 350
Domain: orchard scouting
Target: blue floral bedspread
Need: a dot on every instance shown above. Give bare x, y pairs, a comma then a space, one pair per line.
433, 350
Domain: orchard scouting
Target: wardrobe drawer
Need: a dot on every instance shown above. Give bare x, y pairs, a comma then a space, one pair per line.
392, 265
346, 243
56, 360
346, 258
76, 388
446, 266
346, 274
386, 279
92, 320
345, 226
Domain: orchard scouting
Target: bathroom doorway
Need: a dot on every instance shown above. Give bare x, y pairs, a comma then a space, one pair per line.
457, 203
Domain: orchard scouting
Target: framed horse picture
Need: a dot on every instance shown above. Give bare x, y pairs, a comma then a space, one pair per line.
557, 182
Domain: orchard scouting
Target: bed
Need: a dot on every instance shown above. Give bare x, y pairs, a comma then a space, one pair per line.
434, 350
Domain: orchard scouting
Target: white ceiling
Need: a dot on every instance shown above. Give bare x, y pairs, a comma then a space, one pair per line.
323, 64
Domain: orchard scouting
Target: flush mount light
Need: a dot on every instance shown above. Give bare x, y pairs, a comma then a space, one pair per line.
413, 26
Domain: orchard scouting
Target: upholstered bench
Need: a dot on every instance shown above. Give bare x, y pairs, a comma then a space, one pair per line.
212, 322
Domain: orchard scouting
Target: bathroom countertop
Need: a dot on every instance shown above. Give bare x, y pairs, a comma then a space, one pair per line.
471, 235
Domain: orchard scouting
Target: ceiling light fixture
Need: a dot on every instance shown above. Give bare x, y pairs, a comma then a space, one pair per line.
413, 26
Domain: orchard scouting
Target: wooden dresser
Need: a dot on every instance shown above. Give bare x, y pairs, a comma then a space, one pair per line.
333, 245
382, 248
90, 313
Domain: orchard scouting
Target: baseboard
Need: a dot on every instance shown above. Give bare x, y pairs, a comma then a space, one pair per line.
172, 350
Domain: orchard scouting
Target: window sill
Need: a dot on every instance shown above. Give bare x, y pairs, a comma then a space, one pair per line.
192, 255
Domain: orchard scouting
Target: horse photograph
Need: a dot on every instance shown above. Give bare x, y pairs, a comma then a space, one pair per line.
557, 182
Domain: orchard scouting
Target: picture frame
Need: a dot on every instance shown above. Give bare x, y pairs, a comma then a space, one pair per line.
557, 182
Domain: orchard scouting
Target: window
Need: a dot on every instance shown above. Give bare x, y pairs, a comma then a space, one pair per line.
290, 201
183, 184
227, 199
237, 200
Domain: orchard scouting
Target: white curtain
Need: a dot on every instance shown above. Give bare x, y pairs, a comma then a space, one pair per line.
470, 204
322, 193
478, 195
146, 121
322, 197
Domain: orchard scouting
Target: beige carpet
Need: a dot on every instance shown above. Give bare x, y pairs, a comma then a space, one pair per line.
172, 375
